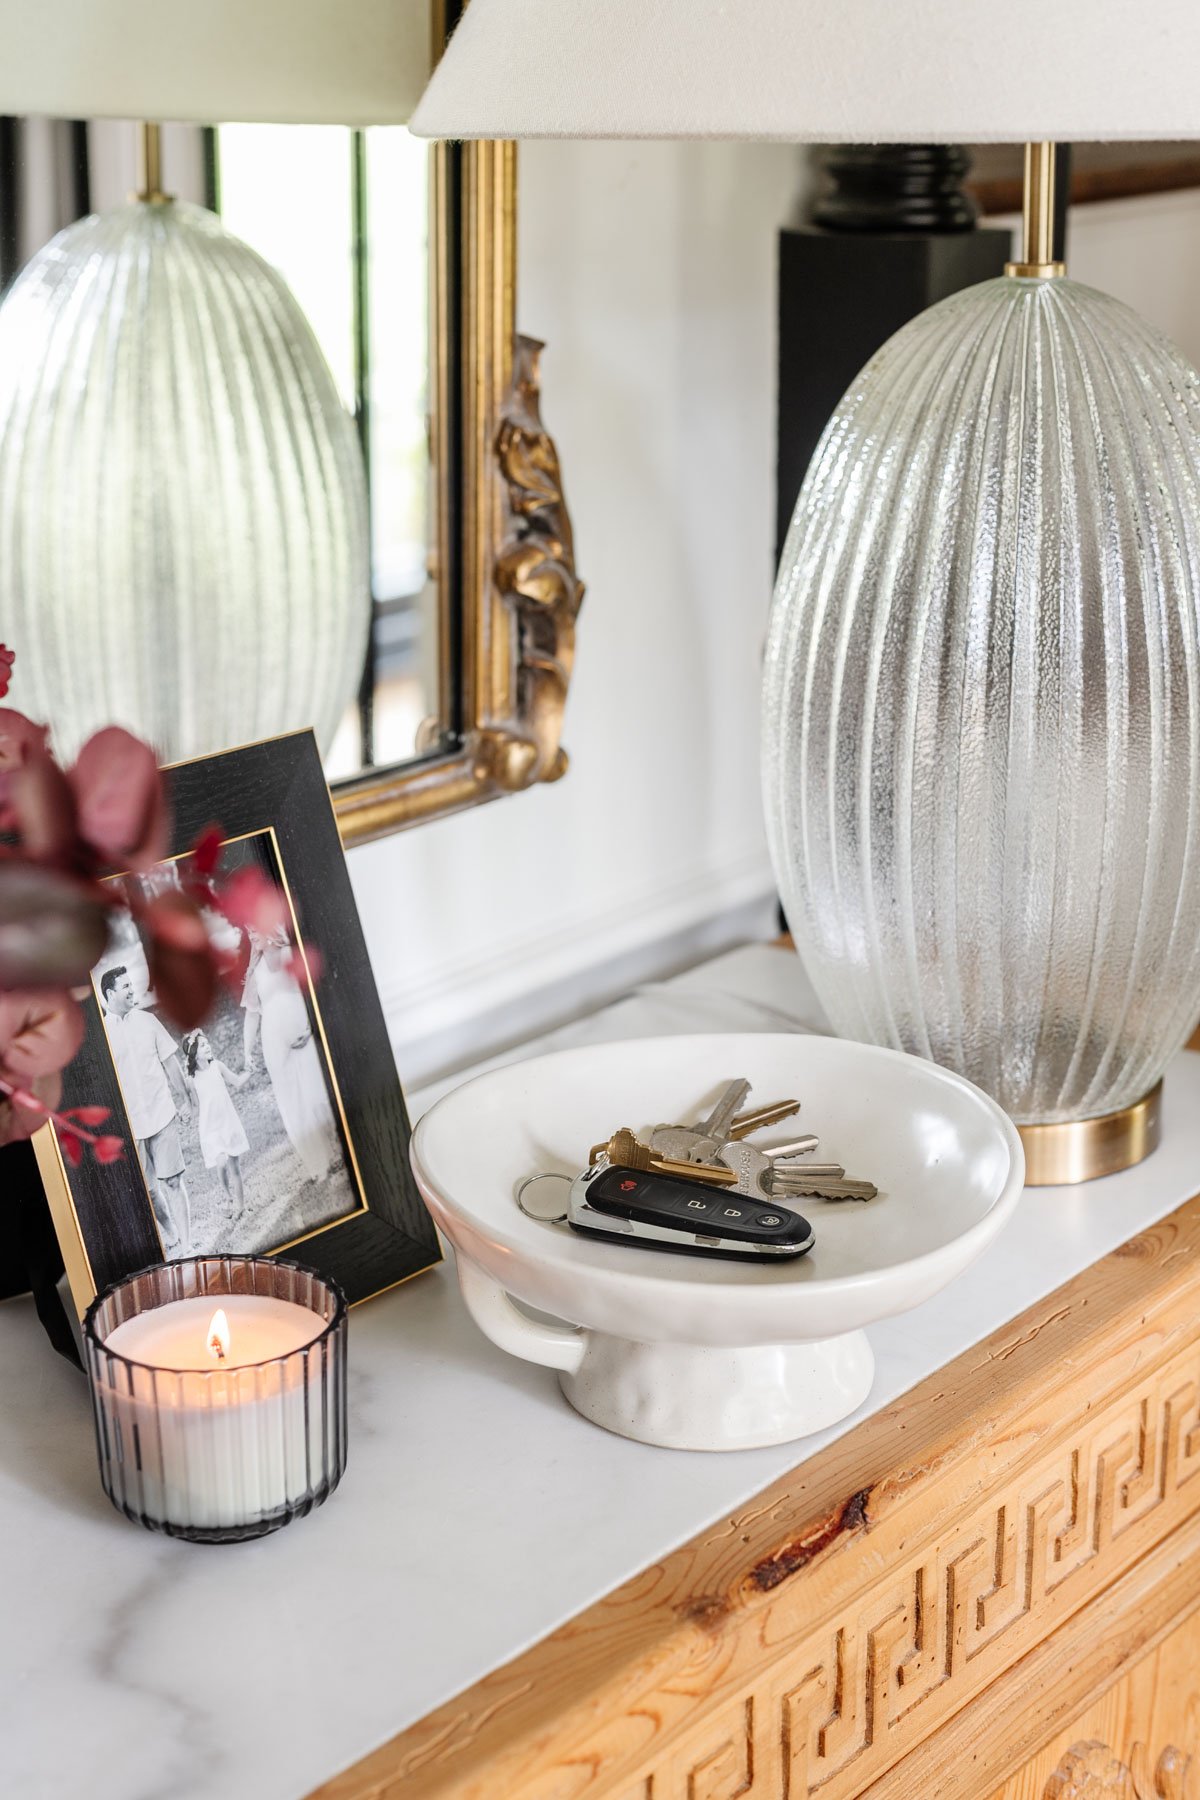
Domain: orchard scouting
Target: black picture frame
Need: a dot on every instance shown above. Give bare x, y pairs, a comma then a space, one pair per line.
102, 1212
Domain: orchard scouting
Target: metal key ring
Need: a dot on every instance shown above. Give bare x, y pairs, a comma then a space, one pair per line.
551, 1212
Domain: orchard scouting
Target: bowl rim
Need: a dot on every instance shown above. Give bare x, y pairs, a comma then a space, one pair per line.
518, 1244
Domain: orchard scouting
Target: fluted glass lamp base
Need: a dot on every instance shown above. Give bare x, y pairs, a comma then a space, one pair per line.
982, 711
1083, 1149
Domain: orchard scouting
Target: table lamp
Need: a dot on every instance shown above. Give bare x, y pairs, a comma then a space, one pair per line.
183, 510
982, 689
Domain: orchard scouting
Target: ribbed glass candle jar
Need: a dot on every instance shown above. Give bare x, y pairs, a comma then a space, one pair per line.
982, 700
219, 1452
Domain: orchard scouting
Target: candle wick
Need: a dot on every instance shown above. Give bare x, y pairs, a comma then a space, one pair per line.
214, 1344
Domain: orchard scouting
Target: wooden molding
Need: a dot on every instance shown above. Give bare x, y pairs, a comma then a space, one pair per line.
1031, 1509
999, 195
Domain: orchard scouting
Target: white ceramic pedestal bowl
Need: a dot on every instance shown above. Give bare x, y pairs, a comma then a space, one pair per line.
694, 1352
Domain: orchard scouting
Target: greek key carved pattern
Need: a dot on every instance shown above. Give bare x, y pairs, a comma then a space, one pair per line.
847, 1703
988, 1579
721, 1767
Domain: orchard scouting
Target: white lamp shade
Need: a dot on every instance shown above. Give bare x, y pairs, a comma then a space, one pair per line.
820, 71
337, 62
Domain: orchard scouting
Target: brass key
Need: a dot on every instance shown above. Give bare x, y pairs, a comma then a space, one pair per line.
624, 1149
747, 1122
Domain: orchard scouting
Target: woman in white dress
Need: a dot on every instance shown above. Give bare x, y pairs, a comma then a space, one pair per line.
277, 1017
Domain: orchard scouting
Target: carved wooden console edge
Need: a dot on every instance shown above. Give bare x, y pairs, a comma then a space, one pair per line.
815, 1641
1091, 1771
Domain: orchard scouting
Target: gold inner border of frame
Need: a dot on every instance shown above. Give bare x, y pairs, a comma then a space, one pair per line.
56, 1177
515, 554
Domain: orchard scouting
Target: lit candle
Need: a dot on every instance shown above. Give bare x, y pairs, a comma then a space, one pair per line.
190, 1334
219, 1414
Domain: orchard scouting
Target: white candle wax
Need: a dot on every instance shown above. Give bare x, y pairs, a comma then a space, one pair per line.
175, 1336
219, 1441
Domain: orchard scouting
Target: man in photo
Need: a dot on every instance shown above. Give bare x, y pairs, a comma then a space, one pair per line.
156, 1098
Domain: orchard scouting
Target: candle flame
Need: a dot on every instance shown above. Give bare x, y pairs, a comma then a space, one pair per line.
218, 1335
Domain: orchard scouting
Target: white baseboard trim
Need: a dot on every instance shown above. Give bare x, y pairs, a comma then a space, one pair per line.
472, 1009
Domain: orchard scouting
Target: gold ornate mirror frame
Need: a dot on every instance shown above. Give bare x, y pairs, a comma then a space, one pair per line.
508, 593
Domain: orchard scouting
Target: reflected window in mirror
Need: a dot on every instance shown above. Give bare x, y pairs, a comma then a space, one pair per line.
344, 215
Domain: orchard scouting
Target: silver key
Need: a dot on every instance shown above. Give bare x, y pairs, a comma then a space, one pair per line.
745, 1125
800, 1146
758, 1177
726, 1110
679, 1142
700, 1143
797, 1186
684, 1144
788, 1174
752, 1168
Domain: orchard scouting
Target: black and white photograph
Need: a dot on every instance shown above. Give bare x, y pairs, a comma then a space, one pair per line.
235, 1122
277, 1124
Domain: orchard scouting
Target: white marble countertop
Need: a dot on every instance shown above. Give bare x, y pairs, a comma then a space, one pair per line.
477, 1512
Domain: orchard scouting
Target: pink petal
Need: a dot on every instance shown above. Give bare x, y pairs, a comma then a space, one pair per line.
174, 920
91, 1116
53, 927
40, 1032
18, 736
206, 851
251, 900
43, 809
121, 799
183, 965
19, 1119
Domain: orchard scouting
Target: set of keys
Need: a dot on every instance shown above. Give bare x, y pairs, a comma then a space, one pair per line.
717, 1152
703, 1189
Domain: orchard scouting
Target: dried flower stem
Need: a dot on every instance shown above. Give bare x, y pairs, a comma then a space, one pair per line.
21, 1096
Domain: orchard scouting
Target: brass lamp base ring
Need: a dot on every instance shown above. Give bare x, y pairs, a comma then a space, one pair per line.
1083, 1149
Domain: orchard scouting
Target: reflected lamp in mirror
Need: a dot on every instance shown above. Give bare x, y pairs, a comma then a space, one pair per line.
182, 496
981, 705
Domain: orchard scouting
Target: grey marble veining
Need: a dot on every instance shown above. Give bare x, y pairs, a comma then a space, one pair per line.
477, 1512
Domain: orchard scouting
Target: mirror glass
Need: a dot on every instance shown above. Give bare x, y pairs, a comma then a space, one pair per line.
344, 216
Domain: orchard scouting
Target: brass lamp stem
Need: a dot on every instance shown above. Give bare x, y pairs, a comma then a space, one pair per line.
150, 188
1037, 248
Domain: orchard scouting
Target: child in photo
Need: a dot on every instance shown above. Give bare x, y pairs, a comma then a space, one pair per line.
222, 1137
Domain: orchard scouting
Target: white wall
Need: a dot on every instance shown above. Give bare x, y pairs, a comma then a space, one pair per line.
1147, 253
1144, 251
650, 271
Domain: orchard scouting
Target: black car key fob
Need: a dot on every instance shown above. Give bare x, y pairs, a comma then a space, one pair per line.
668, 1212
